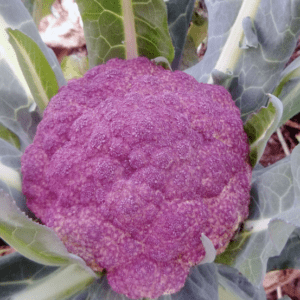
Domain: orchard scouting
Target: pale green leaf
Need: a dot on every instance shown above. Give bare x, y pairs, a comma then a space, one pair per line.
34, 241
29, 4
56, 286
125, 29
261, 126
229, 256
274, 214
26, 279
17, 106
189, 56
9, 136
288, 90
197, 34
291, 72
289, 256
38, 9
38, 73
74, 66
179, 17
234, 286
41, 8
250, 42
10, 177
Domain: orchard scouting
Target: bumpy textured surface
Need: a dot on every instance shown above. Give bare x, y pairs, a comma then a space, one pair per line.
130, 164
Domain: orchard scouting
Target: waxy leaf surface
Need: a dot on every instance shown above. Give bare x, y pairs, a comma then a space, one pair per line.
125, 29
249, 43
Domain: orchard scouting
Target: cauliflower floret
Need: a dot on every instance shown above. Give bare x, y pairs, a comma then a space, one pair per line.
131, 164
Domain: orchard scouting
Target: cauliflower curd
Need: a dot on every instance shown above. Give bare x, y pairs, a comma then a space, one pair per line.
131, 164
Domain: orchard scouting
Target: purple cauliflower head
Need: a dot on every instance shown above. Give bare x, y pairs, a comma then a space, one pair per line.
131, 164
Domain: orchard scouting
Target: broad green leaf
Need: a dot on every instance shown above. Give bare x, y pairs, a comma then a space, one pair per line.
202, 280
10, 165
179, 17
56, 286
291, 72
10, 177
197, 34
38, 73
226, 294
29, 4
38, 9
28, 280
41, 9
9, 136
234, 248
189, 56
260, 127
34, 241
234, 286
250, 42
125, 29
17, 106
288, 90
74, 66
274, 214
289, 256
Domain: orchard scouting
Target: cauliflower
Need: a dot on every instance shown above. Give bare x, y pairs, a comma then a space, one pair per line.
131, 164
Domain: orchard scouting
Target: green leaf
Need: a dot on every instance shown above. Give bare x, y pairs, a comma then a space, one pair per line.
125, 29
274, 214
288, 90
10, 176
229, 256
234, 286
41, 9
260, 127
238, 47
291, 72
56, 286
189, 56
36, 242
17, 106
29, 4
10, 165
35, 67
74, 66
289, 256
179, 17
198, 32
9, 136
38, 9
28, 280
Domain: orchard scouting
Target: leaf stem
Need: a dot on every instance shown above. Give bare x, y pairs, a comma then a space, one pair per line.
283, 143
231, 51
129, 30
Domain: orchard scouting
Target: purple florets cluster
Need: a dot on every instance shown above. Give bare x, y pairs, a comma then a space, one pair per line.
131, 164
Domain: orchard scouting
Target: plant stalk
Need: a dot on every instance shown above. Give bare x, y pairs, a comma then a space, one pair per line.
129, 30
231, 51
